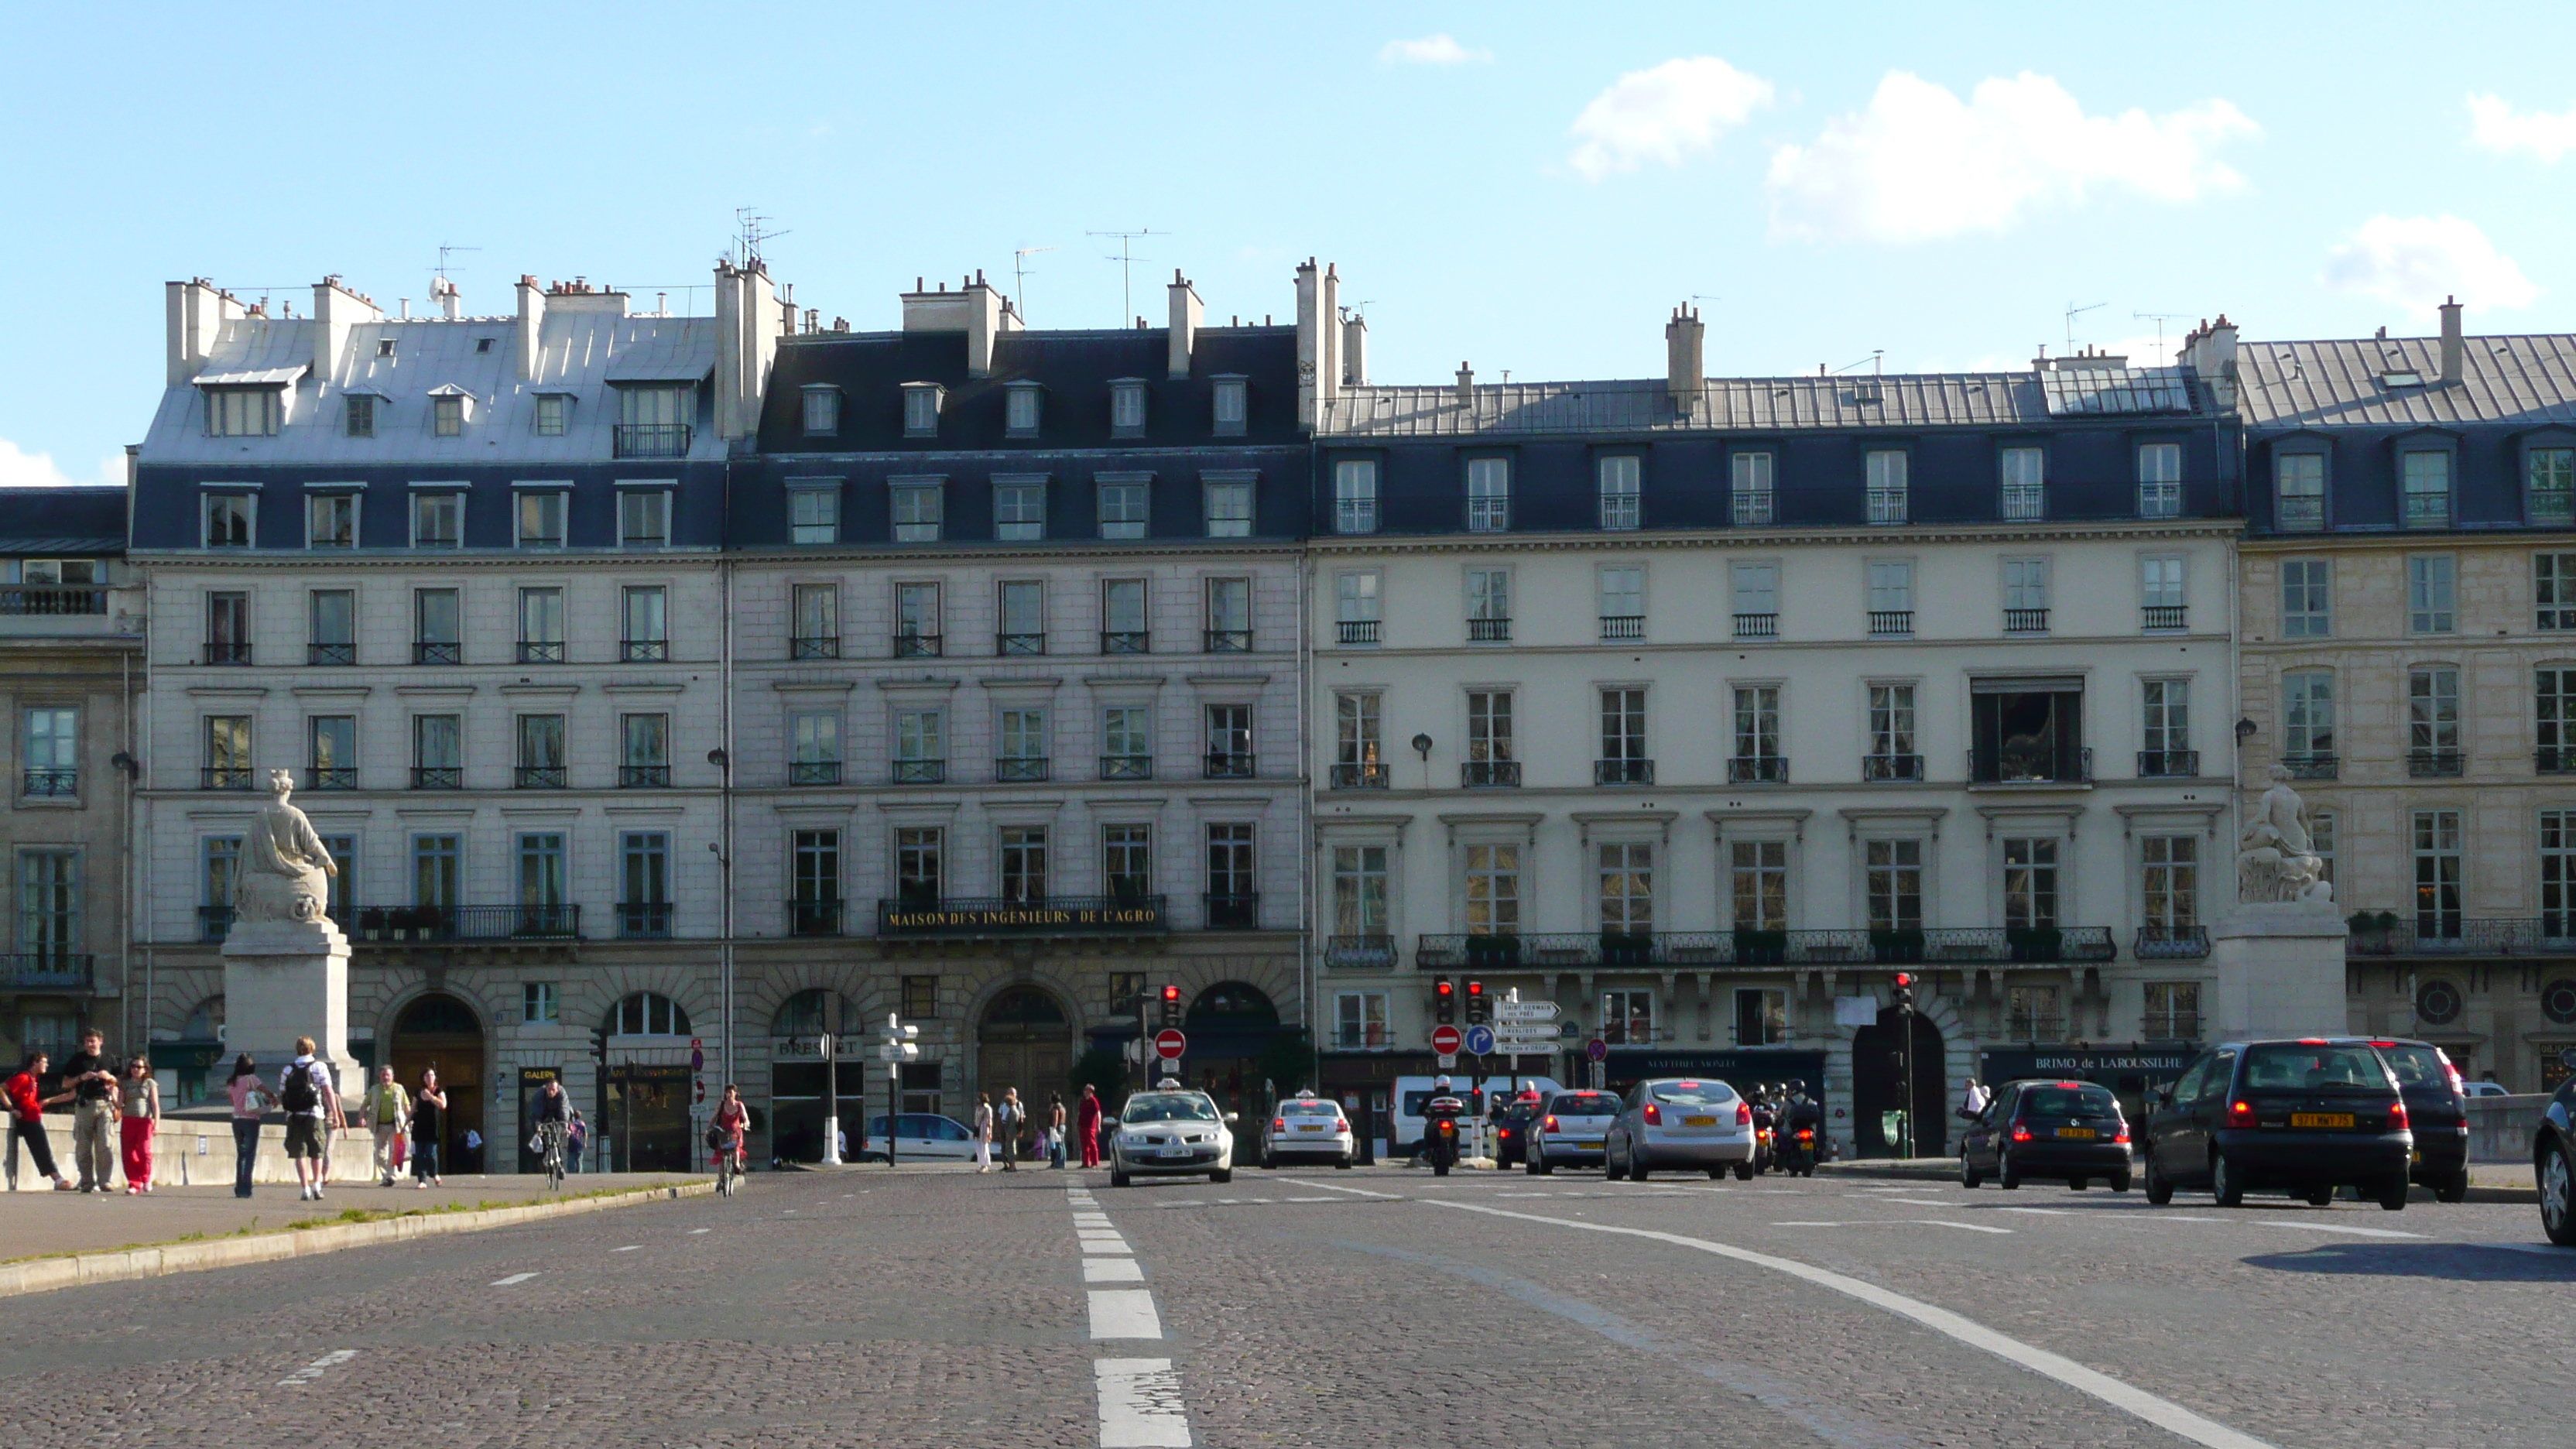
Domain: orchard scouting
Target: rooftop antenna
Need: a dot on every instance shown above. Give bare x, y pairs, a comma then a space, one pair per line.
1358, 308
444, 267
1877, 363
2073, 312
751, 229
1126, 264
1020, 278
2160, 319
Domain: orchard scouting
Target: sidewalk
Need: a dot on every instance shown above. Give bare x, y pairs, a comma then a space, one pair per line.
2488, 1181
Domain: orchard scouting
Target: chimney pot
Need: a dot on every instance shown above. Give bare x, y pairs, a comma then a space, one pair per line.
2451, 341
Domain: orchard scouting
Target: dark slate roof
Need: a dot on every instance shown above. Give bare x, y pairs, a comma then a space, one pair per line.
45, 521
2527, 379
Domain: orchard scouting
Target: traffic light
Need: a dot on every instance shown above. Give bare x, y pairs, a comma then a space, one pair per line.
1171, 1006
1479, 1010
599, 1045
1444, 1001
1905, 991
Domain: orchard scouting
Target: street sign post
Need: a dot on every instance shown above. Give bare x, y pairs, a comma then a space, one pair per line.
1529, 1011
900, 1044
1169, 1043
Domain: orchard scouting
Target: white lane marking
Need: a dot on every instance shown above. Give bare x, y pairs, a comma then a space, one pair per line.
513, 1278
629, 1248
2179, 1218
1331, 1187
1091, 1220
2339, 1228
1310, 1199
693, 1232
1116, 1247
1140, 1404
1900, 1223
1916, 1201
2036, 1212
1124, 1313
317, 1368
2163, 1413
1111, 1270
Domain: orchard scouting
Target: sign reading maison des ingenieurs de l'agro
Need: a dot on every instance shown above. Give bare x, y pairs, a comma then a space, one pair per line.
952, 918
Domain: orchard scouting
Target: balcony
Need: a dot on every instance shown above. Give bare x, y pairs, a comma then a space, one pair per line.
1489, 775
2171, 943
1367, 776
2032, 1026
2311, 767
1623, 772
541, 651
1126, 767
652, 440
2164, 764
1020, 769
49, 784
1042, 916
1008, 645
227, 653
2024, 621
814, 646
1623, 626
1232, 911
2163, 618
2170, 1026
417, 925
644, 920
1757, 626
916, 646
1757, 770
318, 778
2553, 760
814, 772
1358, 631
2435, 764
643, 777
69, 972
331, 654
2061, 767
1222, 765
214, 922
645, 651
224, 777
1966, 946
1359, 953
814, 918
53, 601
1226, 641
437, 777
1489, 631
539, 777
1891, 623
920, 772
1891, 767
1126, 641
437, 651
2388, 934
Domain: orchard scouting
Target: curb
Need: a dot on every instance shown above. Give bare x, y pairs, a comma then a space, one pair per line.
45, 1275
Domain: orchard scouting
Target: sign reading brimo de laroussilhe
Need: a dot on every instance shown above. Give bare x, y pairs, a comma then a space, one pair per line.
1097, 915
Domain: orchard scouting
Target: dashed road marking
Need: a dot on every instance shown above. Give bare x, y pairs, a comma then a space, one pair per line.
1124, 1313
1893, 1223
1115, 1247
629, 1248
2339, 1228
512, 1279
1333, 1187
1310, 1199
1140, 1404
693, 1232
1111, 1270
2040, 1212
317, 1368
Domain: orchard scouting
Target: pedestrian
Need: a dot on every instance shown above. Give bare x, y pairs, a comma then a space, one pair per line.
388, 1118
27, 1106
92, 1081
1055, 1130
576, 1136
250, 1096
1086, 1125
142, 1118
983, 1128
1972, 1099
428, 1121
310, 1098
1010, 1120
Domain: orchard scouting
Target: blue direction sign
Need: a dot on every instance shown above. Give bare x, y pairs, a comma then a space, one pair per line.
1480, 1040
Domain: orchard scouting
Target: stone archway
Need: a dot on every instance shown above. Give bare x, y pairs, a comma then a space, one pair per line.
1230, 1025
1878, 1085
436, 1031
1024, 1039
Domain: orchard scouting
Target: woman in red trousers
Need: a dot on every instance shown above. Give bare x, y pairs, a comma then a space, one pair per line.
135, 1128
1086, 1127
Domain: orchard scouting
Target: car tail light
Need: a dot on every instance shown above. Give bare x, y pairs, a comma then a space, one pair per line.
1549, 1124
1806, 1134
2020, 1133
1743, 1114
2396, 1116
2122, 1135
1654, 1115
2240, 1114
1278, 1124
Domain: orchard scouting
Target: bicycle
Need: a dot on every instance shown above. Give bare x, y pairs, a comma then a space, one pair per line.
729, 1171
550, 1139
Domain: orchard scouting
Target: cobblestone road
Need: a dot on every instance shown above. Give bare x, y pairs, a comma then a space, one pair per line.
1344, 1309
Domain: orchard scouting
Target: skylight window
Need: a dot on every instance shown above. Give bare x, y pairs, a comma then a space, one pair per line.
2401, 377
482, 344
384, 347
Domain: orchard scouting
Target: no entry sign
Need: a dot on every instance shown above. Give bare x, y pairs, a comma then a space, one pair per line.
1445, 1040
1169, 1043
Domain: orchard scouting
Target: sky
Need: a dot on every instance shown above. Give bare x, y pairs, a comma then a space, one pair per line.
1528, 189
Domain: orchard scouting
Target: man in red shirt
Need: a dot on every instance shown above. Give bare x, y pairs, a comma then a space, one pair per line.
27, 1120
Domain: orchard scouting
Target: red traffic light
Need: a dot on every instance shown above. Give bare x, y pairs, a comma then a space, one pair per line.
1442, 988
1904, 978
1171, 996
1475, 988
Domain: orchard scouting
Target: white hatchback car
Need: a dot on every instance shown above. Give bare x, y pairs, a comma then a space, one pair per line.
1568, 1131
1693, 1123
1167, 1133
1311, 1127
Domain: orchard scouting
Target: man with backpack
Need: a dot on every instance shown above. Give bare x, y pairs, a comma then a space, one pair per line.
306, 1092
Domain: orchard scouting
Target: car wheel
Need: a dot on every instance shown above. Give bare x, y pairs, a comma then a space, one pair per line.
1531, 1167
1968, 1177
2005, 1177
2454, 1188
2077, 1184
2120, 1183
1612, 1169
1222, 1174
2557, 1194
2159, 1189
2223, 1185
1117, 1178
2393, 1193
2320, 1197
1743, 1172
1543, 1167
1637, 1168
1343, 1163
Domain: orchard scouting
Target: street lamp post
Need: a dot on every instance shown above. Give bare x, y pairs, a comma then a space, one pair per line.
831, 1099
902, 1044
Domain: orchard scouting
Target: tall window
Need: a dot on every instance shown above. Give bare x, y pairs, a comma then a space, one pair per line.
814, 747
1355, 607
2553, 592
645, 907
1895, 884
2426, 476
2030, 884
1126, 743
1229, 616
1229, 406
644, 750
2321, 841
921, 410
332, 520
541, 626
1228, 502
644, 517
241, 412
917, 868
1359, 1021
2160, 591
920, 747
1359, 890
437, 752
1891, 596
49, 899
1356, 740
2173, 1010
2554, 705
1024, 865
1234, 894
1493, 890
2170, 885
1126, 409
1229, 742
1022, 405
554, 409
1490, 758
1749, 496
334, 748
227, 752
1024, 745
1127, 859
1757, 734
2307, 598
334, 621
1125, 500
49, 760
1757, 599
1628, 1017
2160, 480
437, 520
648, 624
2025, 595
1623, 759
1489, 495
2308, 717
222, 872
2558, 874
916, 620
438, 627
1022, 605
2164, 744
815, 611
541, 518
2433, 719
1625, 874
2299, 492
1620, 491
815, 908
814, 513
541, 877
822, 411
1123, 625
2550, 486
1489, 605
1892, 752
228, 627
2025, 484
1885, 471
1355, 495
2437, 874
1623, 601
437, 870
916, 512
1758, 879
2432, 594
1019, 510
541, 752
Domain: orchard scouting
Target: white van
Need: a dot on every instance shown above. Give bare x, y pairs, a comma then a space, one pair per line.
1404, 1107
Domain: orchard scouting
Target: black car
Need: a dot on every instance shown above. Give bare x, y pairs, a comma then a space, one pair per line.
1512, 1131
2069, 1131
2436, 1110
2553, 1165
2302, 1117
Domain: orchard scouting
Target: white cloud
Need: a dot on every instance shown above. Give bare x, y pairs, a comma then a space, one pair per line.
22, 469
2416, 261
1664, 114
1920, 164
2493, 124
1430, 50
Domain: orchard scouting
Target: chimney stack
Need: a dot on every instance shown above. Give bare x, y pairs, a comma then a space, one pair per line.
975, 308
196, 312
1186, 311
1355, 352
1310, 345
1466, 387
532, 321
335, 310
1684, 374
2450, 339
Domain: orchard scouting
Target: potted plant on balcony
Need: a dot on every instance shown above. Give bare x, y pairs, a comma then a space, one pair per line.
2034, 943
1627, 948
1895, 947
1493, 953
2373, 933
1760, 948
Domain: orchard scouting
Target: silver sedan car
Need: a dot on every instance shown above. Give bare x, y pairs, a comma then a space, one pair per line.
1568, 1130
1311, 1127
1171, 1132
1693, 1123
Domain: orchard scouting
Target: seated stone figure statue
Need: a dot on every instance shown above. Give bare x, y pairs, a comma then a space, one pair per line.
2277, 860
285, 870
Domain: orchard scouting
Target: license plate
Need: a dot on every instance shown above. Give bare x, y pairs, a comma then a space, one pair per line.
2415, 1159
2085, 1134
1308, 1127
2321, 1119
1699, 1121
1176, 1152
1587, 1141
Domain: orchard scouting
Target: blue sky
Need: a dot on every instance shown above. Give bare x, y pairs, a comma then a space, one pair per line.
1502, 185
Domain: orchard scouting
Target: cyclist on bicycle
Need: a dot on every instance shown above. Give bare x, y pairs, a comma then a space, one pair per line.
732, 1120
550, 1119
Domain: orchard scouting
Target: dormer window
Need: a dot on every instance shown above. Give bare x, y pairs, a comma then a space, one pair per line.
1127, 407
1021, 406
384, 347
822, 411
241, 412
554, 409
921, 409
1232, 398
228, 519
437, 518
447, 414
541, 516
361, 415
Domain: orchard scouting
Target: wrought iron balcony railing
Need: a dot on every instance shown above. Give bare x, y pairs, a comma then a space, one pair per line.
1370, 775
1961, 946
1020, 768
344, 652
227, 652
49, 784
1359, 953
644, 920
437, 651
916, 646
1022, 644
1489, 774
920, 772
2435, 764
391, 925
1623, 772
66, 971
1240, 911
1126, 641
1757, 770
224, 777
2171, 943
814, 646
1226, 765
652, 440
2311, 767
2054, 770
437, 777
814, 772
645, 651
1358, 631
342, 777
814, 918
1126, 767
1891, 767
541, 651
643, 777
1226, 641
2158, 764
540, 777
2390, 934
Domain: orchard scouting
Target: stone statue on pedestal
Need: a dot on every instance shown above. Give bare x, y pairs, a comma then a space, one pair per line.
2277, 860
285, 870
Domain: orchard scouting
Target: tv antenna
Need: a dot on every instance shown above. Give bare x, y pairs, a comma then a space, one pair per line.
2163, 358
443, 265
2073, 312
1126, 266
1877, 359
1020, 277
1358, 308
751, 229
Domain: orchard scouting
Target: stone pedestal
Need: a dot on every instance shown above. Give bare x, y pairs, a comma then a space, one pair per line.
283, 980
2280, 971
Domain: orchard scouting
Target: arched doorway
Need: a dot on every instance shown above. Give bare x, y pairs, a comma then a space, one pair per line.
796, 1097
1024, 1041
1878, 1087
438, 1032
644, 1096
1229, 1026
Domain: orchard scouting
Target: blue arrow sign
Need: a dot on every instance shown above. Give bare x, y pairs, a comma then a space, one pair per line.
1480, 1040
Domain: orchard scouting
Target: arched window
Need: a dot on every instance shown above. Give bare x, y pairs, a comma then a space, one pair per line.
648, 1013
437, 1016
802, 1014
206, 1023
1232, 1006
